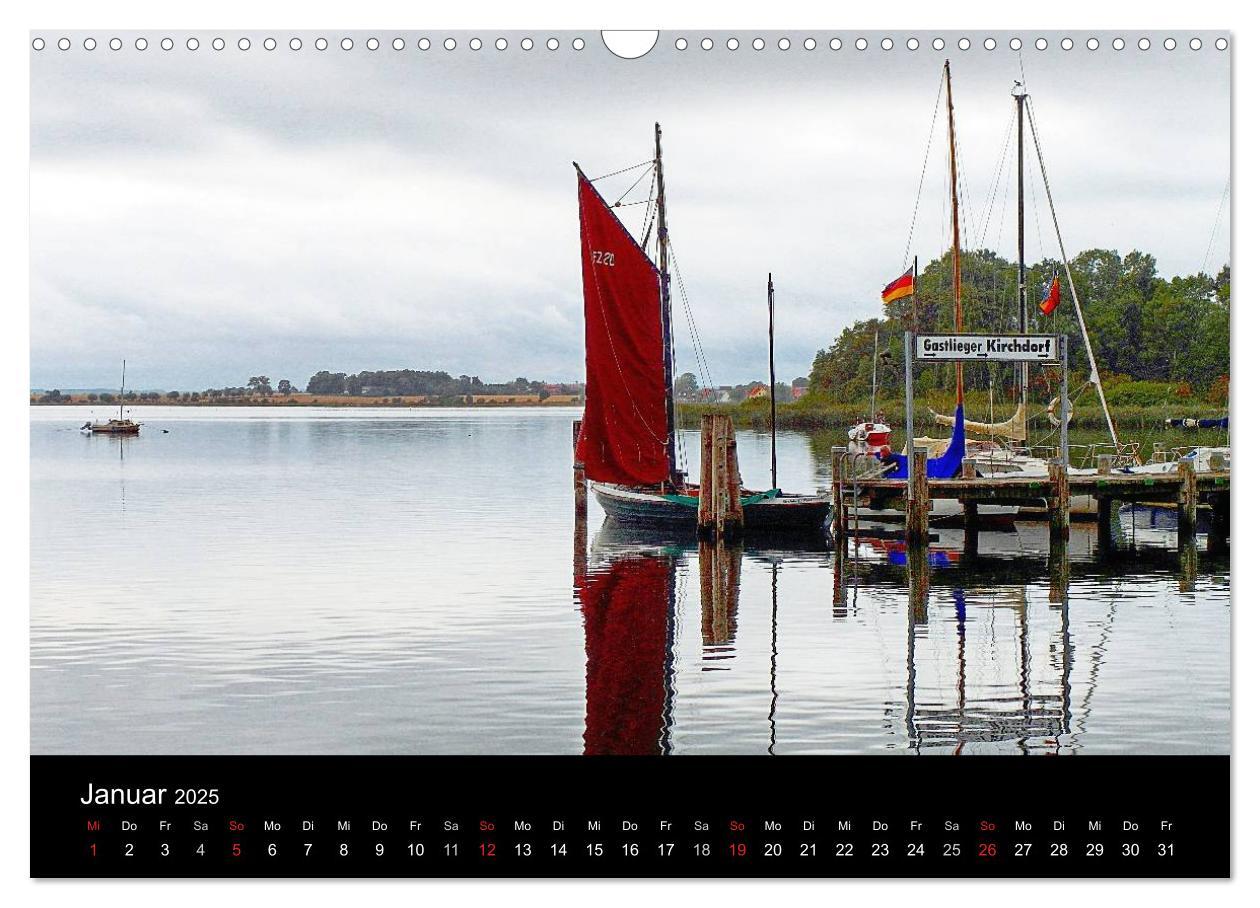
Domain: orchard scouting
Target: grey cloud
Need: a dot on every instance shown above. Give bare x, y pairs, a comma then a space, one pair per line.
213, 214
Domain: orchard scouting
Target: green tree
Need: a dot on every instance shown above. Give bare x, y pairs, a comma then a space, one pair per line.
686, 387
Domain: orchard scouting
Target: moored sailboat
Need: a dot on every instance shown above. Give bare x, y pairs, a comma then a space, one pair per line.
945, 456
627, 445
121, 425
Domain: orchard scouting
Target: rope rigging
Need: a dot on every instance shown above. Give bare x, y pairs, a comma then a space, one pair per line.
927, 153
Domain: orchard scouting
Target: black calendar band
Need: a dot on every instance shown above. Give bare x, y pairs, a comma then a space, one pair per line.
477, 816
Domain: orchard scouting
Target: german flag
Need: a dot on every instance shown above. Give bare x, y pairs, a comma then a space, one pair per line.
1051, 301
901, 287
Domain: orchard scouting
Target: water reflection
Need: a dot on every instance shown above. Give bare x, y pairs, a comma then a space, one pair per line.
284, 581
988, 659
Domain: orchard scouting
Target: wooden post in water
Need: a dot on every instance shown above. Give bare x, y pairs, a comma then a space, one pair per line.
918, 504
579, 512
1187, 522
1060, 501
1187, 500
705, 516
720, 512
579, 475
971, 513
734, 508
1106, 462
839, 512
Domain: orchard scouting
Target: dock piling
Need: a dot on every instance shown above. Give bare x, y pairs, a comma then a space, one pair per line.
720, 511
839, 513
1187, 499
1060, 501
579, 475
918, 502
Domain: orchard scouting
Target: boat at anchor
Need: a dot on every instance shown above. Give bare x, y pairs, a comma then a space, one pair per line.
119, 426
627, 444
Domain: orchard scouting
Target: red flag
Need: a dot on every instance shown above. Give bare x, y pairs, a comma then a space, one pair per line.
1051, 300
902, 286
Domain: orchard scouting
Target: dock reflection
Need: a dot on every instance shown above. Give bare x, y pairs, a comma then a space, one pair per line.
988, 663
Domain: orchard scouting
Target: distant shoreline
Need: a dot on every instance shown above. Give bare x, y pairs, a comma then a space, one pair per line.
324, 400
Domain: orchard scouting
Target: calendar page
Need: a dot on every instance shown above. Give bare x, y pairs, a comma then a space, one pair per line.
715, 453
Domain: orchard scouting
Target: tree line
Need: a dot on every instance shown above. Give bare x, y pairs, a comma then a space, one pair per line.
413, 382
1146, 330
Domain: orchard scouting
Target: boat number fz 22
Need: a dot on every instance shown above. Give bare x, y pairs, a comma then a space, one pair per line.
603, 258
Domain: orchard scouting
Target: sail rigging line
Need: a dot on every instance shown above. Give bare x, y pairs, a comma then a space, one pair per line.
927, 153
1076, 302
702, 361
603, 310
630, 188
991, 195
1215, 226
621, 171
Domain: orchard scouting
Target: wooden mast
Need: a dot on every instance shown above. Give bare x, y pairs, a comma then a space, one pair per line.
667, 332
774, 421
121, 389
953, 205
874, 371
1020, 95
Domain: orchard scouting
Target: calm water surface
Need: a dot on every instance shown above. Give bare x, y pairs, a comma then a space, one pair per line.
271, 580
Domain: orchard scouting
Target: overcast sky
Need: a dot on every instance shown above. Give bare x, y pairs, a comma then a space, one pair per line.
216, 215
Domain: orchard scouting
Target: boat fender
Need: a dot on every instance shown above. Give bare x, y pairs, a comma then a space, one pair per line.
1052, 411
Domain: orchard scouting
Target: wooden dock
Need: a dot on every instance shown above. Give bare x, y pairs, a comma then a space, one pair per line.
1185, 488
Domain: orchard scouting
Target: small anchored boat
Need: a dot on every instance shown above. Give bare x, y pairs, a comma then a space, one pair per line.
119, 426
627, 443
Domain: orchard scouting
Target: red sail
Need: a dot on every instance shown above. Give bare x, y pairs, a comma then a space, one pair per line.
624, 436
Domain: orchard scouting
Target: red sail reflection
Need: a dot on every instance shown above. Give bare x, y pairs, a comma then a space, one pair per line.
626, 609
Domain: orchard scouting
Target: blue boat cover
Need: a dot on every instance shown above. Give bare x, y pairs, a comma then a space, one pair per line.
947, 466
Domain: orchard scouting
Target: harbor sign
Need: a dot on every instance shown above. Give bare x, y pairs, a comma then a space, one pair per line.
1017, 348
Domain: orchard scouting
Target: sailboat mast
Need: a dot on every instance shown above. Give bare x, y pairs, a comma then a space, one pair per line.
1076, 300
121, 389
953, 207
774, 416
667, 331
874, 372
1022, 368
